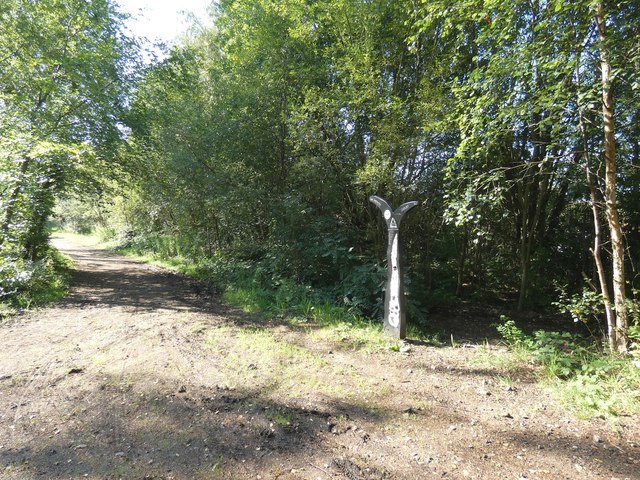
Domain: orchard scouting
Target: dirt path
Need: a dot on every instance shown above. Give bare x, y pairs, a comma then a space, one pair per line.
135, 376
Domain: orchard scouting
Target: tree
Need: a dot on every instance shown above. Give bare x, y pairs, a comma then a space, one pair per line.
263, 137
526, 112
618, 330
62, 71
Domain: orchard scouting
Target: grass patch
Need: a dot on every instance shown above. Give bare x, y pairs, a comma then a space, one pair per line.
612, 390
280, 417
277, 367
588, 381
249, 300
508, 361
362, 335
265, 344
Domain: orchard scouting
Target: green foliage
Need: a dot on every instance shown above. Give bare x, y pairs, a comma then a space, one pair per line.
585, 307
560, 354
28, 283
511, 334
591, 382
361, 289
63, 71
259, 140
78, 216
606, 385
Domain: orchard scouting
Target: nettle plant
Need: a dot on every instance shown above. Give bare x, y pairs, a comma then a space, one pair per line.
561, 354
585, 307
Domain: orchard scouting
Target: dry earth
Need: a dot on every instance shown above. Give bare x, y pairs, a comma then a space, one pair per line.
138, 375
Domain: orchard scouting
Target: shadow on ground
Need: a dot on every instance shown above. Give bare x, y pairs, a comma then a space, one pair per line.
120, 431
85, 423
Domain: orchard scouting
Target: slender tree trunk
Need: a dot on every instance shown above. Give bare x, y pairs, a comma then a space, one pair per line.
597, 258
533, 209
525, 250
462, 260
283, 134
610, 197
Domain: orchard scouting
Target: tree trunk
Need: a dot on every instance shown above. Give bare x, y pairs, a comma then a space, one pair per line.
462, 260
597, 258
524, 250
611, 204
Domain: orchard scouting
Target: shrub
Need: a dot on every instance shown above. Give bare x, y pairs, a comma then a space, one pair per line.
511, 334
592, 382
24, 283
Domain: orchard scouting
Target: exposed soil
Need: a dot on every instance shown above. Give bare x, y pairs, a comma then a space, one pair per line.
140, 374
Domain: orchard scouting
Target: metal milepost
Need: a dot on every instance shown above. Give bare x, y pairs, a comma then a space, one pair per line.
395, 321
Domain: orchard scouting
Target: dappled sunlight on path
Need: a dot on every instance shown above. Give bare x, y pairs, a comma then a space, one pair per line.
135, 375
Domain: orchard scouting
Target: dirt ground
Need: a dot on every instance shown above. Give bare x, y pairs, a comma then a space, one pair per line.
139, 374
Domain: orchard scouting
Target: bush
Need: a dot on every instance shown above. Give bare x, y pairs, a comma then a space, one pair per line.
25, 283
560, 354
590, 381
360, 289
586, 307
511, 334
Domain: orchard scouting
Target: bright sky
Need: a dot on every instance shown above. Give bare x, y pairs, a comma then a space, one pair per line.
162, 20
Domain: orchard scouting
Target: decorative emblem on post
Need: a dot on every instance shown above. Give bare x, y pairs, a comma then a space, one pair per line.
395, 321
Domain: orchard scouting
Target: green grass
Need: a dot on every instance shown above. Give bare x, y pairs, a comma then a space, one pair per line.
281, 416
510, 361
58, 285
249, 299
588, 381
612, 391
274, 365
363, 335
282, 300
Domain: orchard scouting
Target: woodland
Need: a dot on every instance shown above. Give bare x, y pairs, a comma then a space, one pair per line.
249, 149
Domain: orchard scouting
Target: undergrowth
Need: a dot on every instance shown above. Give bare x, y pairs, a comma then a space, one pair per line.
254, 287
26, 284
588, 379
